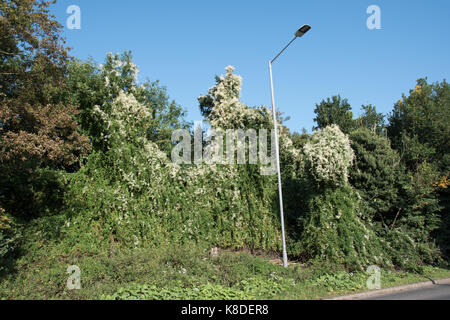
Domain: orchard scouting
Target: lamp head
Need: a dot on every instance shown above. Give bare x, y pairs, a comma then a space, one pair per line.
301, 32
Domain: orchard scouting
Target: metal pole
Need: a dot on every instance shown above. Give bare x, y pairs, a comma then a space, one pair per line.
298, 34
280, 192
273, 60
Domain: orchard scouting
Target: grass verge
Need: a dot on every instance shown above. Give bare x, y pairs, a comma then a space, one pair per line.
181, 272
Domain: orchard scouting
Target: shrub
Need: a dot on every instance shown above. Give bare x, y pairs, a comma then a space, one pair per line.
132, 195
329, 156
29, 194
403, 206
9, 237
375, 174
337, 232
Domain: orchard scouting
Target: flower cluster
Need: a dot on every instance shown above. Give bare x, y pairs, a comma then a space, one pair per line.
226, 111
329, 156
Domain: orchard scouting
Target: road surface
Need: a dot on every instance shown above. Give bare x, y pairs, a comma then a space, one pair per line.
435, 292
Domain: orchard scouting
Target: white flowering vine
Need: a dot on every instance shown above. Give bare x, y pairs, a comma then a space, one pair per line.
329, 156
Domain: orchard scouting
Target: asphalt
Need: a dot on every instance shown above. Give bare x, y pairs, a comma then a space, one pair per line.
435, 292
430, 290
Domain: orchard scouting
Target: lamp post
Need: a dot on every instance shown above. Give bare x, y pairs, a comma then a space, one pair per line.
300, 32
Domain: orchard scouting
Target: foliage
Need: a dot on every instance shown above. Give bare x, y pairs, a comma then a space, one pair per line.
419, 130
337, 232
299, 140
250, 289
36, 130
131, 194
443, 238
9, 236
371, 119
334, 111
403, 207
420, 216
419, 125
328, 156
91, 86
349, 281
41, 272
27, 195
407, 253
376, 173
222, 108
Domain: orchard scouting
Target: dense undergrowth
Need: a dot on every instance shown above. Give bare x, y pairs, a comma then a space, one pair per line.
179, 272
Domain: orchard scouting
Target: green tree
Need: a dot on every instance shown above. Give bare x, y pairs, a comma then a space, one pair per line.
371, 119
419, 126
375, 174
90, 85
334, 111
300, 139
335, 228
403, 205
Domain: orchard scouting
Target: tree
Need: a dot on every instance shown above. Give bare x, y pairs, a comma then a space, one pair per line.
35, 129
334, 111
402, 205
90, 85
371, 119
375, 174
300, 139
419, 126
336, 229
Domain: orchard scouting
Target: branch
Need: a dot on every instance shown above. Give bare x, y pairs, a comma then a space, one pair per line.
395, 220
7, 53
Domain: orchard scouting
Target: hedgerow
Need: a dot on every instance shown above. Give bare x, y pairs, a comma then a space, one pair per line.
132, 194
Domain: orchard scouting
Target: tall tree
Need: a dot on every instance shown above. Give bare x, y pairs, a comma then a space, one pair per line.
419, 125
35, 129
334, 111
371, 119
92, 85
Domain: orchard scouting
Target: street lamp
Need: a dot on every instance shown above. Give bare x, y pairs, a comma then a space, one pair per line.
300, 32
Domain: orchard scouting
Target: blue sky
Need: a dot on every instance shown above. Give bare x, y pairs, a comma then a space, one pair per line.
184, 44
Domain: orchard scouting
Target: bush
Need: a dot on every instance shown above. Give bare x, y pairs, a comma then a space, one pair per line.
132, 195
408, 254
9, 237
376, 173
29, 194
403, 206
337, 232
329, 156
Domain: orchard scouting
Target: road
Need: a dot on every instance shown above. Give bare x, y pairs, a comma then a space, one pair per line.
435, 292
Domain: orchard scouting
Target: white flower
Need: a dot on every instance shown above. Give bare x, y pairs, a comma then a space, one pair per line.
329, 155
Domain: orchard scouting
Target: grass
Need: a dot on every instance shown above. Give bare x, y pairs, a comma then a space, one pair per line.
179, 272
174, 272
